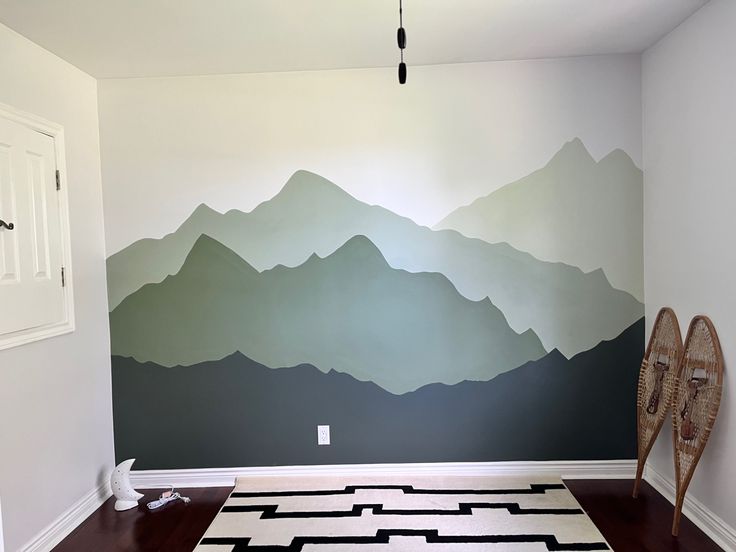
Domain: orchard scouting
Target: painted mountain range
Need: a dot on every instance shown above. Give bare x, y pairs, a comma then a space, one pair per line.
350, 312
544, 213
414, 344
568, 309
583, 408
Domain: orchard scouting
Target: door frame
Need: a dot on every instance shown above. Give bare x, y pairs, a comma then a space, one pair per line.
67, 324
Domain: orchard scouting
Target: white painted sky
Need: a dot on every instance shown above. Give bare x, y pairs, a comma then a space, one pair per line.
451, 134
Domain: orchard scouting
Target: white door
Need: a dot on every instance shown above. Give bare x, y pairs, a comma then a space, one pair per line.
31, 293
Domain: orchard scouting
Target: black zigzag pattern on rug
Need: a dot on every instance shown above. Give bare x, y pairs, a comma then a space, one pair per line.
241, 544
533, 489
269, 511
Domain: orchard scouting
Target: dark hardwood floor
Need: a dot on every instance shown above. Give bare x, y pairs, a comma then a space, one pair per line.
641, 525
629, 525
175, 527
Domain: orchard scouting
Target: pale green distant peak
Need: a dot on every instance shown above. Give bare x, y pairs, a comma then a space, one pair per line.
618, 156
203, 211
600, 274
574, 150
303, 180
202, 215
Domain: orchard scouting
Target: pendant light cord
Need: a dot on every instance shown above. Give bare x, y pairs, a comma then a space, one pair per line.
401, 24
401, 40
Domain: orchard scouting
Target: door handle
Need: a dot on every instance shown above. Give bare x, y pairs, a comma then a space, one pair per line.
8, 225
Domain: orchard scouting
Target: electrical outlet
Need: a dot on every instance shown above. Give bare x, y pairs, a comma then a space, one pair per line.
323, 435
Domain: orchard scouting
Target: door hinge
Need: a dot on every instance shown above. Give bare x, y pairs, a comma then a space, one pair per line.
63, 277
58, 180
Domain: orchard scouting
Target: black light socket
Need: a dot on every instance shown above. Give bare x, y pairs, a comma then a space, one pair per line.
402, 72
401, 37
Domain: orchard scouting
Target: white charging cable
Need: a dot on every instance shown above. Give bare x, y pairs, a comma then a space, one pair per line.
166, 497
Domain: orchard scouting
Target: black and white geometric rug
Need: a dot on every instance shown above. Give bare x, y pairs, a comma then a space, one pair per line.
391, 514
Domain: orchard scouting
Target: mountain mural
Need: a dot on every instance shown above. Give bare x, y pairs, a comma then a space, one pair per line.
512, 330
584, 213
349, 312
236, 412
568, 309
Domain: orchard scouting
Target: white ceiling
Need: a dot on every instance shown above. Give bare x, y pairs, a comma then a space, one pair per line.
135, 38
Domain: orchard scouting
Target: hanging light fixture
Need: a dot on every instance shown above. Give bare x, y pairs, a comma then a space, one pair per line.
401, 39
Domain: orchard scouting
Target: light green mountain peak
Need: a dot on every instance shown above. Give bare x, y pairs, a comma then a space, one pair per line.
574, 210
618, 157
573, 151
204, 211
307, 183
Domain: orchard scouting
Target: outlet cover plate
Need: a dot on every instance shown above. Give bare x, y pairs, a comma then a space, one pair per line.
323, 435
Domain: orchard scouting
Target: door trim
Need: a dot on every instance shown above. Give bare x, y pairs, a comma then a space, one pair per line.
67, 324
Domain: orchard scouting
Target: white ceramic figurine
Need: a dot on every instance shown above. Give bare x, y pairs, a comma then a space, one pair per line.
127, 496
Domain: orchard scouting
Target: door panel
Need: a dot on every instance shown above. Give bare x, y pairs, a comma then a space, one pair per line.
8, 240
39, 224
31, 293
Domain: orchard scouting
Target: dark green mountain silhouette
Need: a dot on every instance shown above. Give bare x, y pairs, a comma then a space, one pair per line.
567, 309
350, 312
236, 412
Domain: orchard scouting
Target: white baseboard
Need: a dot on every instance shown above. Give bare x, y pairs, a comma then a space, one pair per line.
723, 534
225, 477
69, 520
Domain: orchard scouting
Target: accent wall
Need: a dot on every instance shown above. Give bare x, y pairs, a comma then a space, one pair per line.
445, 271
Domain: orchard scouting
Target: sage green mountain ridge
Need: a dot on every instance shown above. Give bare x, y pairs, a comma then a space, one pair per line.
350, 312
568, 309
575, 209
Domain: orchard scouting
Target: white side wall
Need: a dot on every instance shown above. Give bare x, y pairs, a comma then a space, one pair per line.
689, 92
55, 402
